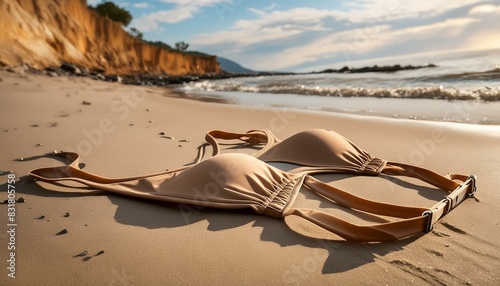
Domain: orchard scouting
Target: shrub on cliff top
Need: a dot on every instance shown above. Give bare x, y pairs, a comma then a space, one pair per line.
113, 12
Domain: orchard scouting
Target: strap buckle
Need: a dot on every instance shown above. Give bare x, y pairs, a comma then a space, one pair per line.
465, 190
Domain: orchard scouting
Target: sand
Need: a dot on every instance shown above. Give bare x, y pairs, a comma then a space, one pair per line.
149, 243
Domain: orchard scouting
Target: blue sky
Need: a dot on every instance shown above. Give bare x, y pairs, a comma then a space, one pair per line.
300, 35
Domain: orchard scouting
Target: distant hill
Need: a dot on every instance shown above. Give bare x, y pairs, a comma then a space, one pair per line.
232, 67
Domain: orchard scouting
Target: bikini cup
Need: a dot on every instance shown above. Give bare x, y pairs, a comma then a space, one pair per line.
323, 151
236, 181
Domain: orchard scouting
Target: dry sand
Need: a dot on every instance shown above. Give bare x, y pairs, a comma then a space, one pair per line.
149, 243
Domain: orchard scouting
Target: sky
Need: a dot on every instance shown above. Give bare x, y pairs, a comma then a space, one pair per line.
300, 35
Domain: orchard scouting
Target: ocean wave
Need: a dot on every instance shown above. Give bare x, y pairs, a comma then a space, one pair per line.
493, 74
483, 94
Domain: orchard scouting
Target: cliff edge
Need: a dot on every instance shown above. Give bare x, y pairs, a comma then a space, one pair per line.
45, 33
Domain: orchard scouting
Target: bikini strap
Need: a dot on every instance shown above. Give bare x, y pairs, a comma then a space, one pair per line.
72, 172
414, 219
252, 137
445, 183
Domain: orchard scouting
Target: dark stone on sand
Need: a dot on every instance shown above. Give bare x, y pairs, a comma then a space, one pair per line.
38, 145
86, 102
161, 133
19, 159
64, 231
86, 258
84, 253
35, 125
21, 200
99, 253
41, 217
66, 215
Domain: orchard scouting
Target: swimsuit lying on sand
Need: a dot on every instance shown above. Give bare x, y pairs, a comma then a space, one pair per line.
237, 181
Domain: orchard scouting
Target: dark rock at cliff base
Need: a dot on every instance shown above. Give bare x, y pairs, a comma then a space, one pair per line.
70, 68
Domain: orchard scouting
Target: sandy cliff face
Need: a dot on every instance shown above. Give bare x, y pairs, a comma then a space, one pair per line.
43, 33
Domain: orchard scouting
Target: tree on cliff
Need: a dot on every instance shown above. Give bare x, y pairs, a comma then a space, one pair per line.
110, 10
181, 46
136, 33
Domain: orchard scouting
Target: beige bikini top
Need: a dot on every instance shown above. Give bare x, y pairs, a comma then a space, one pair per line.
236, 181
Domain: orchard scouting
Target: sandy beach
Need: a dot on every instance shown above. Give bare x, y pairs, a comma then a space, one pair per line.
116, 129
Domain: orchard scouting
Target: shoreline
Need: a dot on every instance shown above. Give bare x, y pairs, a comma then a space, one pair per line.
143, 242
429, 110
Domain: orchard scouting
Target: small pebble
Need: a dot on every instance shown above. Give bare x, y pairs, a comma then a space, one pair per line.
148, 110
161, 133
179, 146
41, 217
20, 159
150, 121
184, 140
86, 102
168, 137
86, 258
131, 124
21, 200
64, 231
39, 145
81, 254
54, 124
99, 253
35, 125
447, 245
66, 215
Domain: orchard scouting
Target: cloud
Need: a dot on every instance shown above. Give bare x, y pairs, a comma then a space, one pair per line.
182, 10
141, 5
484, 9
272, 6
308, 35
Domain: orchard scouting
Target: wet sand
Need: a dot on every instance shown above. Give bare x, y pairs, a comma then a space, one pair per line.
127, 130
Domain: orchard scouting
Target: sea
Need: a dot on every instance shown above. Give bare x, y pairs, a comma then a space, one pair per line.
463, 88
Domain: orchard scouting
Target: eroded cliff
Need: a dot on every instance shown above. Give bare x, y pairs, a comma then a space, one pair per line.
44, 33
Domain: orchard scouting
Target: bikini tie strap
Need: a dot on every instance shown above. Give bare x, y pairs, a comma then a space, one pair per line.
252, 137
413, 219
